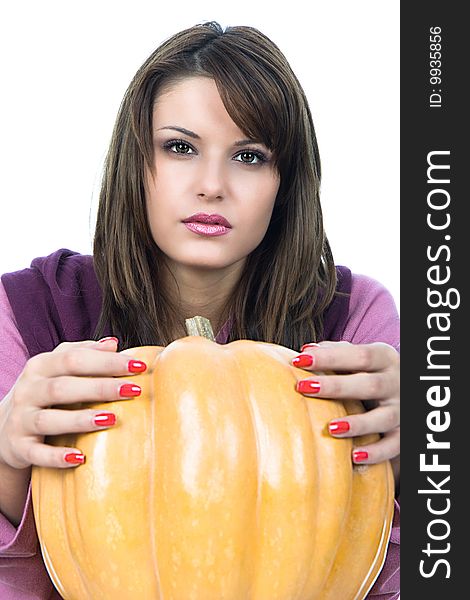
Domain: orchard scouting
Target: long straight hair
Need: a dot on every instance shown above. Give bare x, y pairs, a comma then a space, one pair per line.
290, 278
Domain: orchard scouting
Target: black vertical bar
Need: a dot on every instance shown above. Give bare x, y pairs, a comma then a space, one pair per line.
435, 160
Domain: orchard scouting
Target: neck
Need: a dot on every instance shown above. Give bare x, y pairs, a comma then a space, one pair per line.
203, 292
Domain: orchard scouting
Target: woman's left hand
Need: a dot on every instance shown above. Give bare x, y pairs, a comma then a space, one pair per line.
362, 372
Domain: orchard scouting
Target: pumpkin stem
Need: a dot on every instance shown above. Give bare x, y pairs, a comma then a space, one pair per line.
200, 326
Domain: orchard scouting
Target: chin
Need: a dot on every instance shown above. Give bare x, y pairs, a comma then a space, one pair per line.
207, 265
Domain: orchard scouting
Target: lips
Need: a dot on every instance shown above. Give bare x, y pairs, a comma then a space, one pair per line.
208, 219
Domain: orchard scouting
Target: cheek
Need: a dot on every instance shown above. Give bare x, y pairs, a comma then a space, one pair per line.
158, 211
162, 188
260, 212
264, 200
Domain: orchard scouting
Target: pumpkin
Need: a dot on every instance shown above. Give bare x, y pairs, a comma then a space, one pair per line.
220, 481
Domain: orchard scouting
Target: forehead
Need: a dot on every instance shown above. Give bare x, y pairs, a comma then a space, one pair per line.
193, 103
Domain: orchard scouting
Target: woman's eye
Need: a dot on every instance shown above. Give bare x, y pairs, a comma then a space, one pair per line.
179, 147
250, 158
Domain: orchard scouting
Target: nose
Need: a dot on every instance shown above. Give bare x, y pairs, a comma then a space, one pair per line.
211, 182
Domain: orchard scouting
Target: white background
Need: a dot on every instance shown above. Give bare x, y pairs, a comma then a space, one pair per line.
65, 67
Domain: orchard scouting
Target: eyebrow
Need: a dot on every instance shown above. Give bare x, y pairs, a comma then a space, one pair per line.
195, 136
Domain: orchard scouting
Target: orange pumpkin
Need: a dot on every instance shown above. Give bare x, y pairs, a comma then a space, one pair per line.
219, 482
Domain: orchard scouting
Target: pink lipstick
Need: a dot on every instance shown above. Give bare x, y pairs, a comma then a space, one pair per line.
207, 225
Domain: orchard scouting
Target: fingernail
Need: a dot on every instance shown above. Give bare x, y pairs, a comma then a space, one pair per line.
74, 458
107, 339
339, 427
303, 360
104, 419
310, 345
136, 366
308, 386
360, 455
129, 390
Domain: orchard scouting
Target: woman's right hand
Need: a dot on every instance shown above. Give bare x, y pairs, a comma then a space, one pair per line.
73, 372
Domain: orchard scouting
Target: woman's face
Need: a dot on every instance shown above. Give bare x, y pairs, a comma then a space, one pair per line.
205, 166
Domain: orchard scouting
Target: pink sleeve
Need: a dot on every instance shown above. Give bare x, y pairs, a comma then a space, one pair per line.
13, 352
22, 572
373, 317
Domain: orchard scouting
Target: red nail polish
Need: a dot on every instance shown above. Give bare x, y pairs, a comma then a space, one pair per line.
74, 458
136, 366
104, 419
106, 339
308, 386
360, 455
310, 345
303, 360
339, 427
129, 390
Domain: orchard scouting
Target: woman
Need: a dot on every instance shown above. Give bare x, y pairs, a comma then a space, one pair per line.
209, 205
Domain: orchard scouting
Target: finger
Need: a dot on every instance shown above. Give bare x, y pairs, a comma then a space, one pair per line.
379, 420
83, 360
385, 449
363, 386
109, 341
69, 390
43, 455
106, 343
81, 344
56, 422
343, 356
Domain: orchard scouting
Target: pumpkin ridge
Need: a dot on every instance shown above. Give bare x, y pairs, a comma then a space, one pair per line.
271, 498
247, 396
320, 411
366, 480
39, 500
378, 561
153, 509
206, 546
331, 476
69, 483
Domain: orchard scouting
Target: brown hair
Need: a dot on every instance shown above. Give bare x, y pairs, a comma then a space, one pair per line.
290, 278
